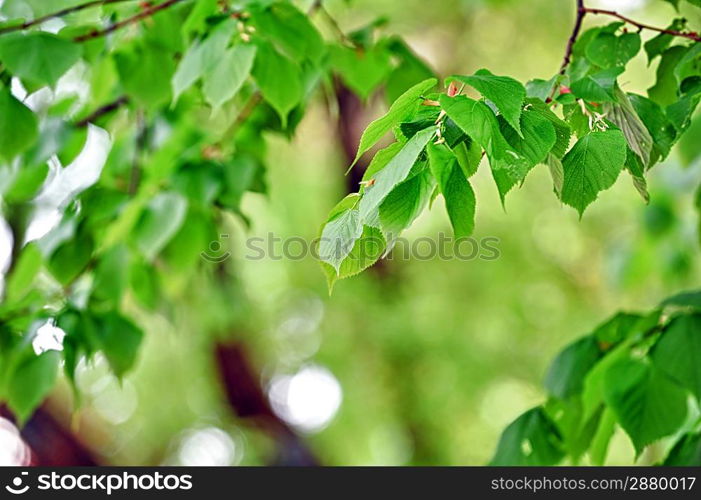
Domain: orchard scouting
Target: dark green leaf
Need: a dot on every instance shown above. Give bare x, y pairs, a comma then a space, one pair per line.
31, 382
648, 404
608, 50
404, 107
686, 452
279, 80
458, 194
40, 57
531, 439
597, 87
592, 165
18, 126
160, 221
566, 374
658, 44
506, 93
678, 352
119, 340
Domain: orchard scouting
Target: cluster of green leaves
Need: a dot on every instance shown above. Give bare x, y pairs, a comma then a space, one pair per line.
580, 124
187, 94
639, 372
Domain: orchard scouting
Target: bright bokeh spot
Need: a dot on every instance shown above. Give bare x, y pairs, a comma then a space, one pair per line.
210, 446
13, 451
308, 399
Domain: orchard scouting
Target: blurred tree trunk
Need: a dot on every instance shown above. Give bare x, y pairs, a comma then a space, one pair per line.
248, 401
50, 442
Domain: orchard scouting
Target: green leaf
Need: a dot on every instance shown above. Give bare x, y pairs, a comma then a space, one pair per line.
224, 81
40, 57
567, 372
537, 140
459, 196
563, 132
149, 88
18, 126
506, 93
110, 276
557, 172
636, 170
591, 166
393, 173
539, 88
624, 326
479, 123
143, 281
622, 114
31, 382
381, 159
678, 352
119, 340
26, 183
689, 147
361, 70
661, 129
691, 299
404, 107
600, 443
686, 452
597, 87
185, 248
658, 44
159, 223
689, 65
339, 236
648, 404
20, 280
201, 57
404, 204
607, 49
367, 250
278, 79
71, 257
665, 90
411, 69
531, 439
290, 30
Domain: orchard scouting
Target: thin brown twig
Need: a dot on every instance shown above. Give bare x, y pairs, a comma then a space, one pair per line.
59, 13
691, 35
147, 12
581, 12
102, 110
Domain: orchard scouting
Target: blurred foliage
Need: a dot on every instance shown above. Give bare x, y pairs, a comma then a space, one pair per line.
433, 358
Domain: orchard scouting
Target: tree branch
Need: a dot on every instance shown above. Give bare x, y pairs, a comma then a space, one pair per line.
581, 12
103, 110
59, 13
691, 35
148, 12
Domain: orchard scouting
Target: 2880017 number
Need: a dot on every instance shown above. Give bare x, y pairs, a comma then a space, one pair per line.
661, 483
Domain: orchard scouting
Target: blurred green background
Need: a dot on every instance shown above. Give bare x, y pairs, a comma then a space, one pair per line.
419, 361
